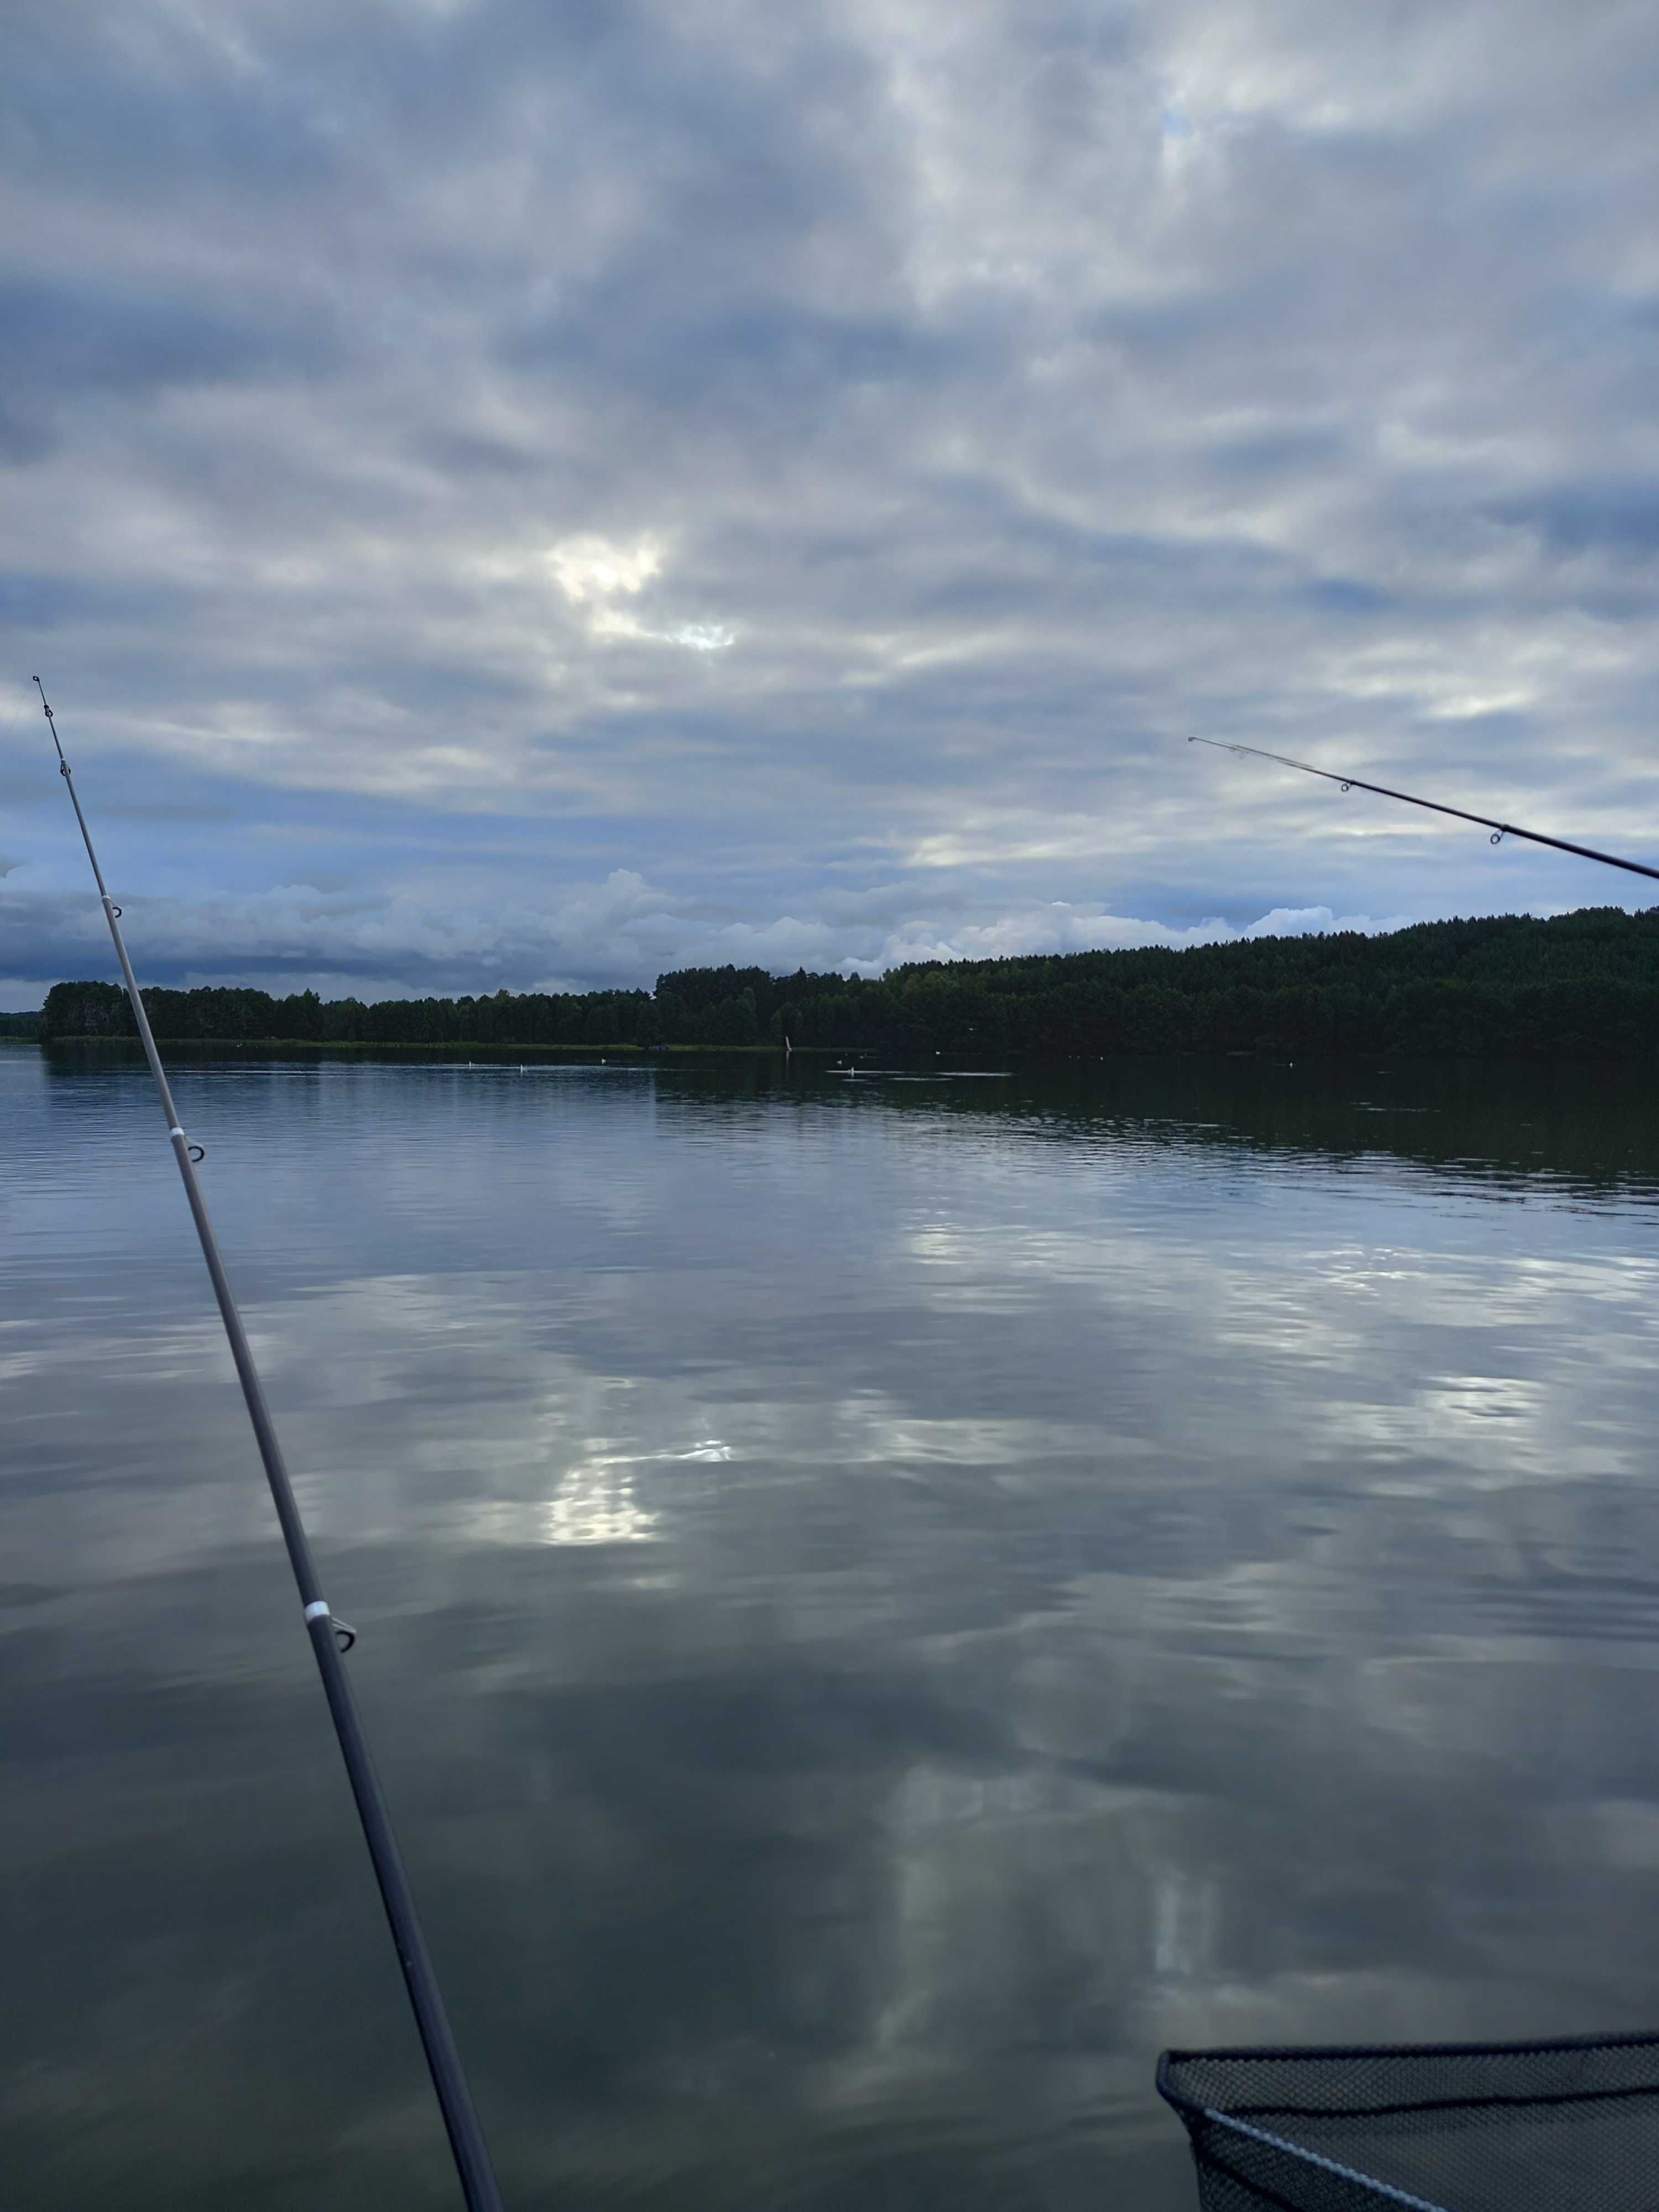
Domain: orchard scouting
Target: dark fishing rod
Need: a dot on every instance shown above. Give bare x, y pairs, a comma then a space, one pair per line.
330, 1637
1499, 829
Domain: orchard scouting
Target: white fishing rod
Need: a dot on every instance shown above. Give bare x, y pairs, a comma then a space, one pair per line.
330, 1637
1499, 829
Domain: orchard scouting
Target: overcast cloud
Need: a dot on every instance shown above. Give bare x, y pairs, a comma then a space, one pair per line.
523, 493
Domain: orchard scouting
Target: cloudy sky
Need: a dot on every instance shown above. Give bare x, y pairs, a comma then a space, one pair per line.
533, 492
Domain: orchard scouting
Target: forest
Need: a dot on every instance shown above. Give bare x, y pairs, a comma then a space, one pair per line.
1577, 986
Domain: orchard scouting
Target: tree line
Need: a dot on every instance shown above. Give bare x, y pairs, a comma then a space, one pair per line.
1583, 985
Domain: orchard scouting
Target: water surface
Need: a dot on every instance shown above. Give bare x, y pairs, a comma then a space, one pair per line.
883, 1602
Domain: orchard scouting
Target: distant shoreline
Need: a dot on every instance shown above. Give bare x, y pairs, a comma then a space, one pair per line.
1579, 986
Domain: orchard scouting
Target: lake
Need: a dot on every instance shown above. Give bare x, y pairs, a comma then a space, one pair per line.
883, 1602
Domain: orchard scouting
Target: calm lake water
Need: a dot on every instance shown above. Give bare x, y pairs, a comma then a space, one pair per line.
882, 1604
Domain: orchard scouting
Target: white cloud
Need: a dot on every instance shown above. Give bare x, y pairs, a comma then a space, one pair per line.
620, 932
1060, 928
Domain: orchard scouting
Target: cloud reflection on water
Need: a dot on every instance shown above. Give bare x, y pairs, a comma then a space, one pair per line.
1244, 1630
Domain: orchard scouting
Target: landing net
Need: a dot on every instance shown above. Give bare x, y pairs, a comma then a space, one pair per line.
1455, 2127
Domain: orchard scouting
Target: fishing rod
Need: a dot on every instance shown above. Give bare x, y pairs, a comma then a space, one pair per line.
331, 1637
1499, 829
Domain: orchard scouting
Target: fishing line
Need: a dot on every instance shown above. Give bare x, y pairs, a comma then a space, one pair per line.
1499, 829
330, 1637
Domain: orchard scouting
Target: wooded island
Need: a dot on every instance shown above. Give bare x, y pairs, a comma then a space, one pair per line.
1581, 985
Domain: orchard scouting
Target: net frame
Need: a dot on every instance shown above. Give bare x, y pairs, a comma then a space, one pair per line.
1300, 2128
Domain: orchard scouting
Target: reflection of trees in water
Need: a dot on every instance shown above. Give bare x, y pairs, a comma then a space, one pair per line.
1511, 1122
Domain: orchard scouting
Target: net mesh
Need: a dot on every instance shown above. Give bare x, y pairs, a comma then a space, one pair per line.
1551, 2127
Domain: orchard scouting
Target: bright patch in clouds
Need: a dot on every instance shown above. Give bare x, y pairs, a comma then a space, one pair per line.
589, 570
599, 576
